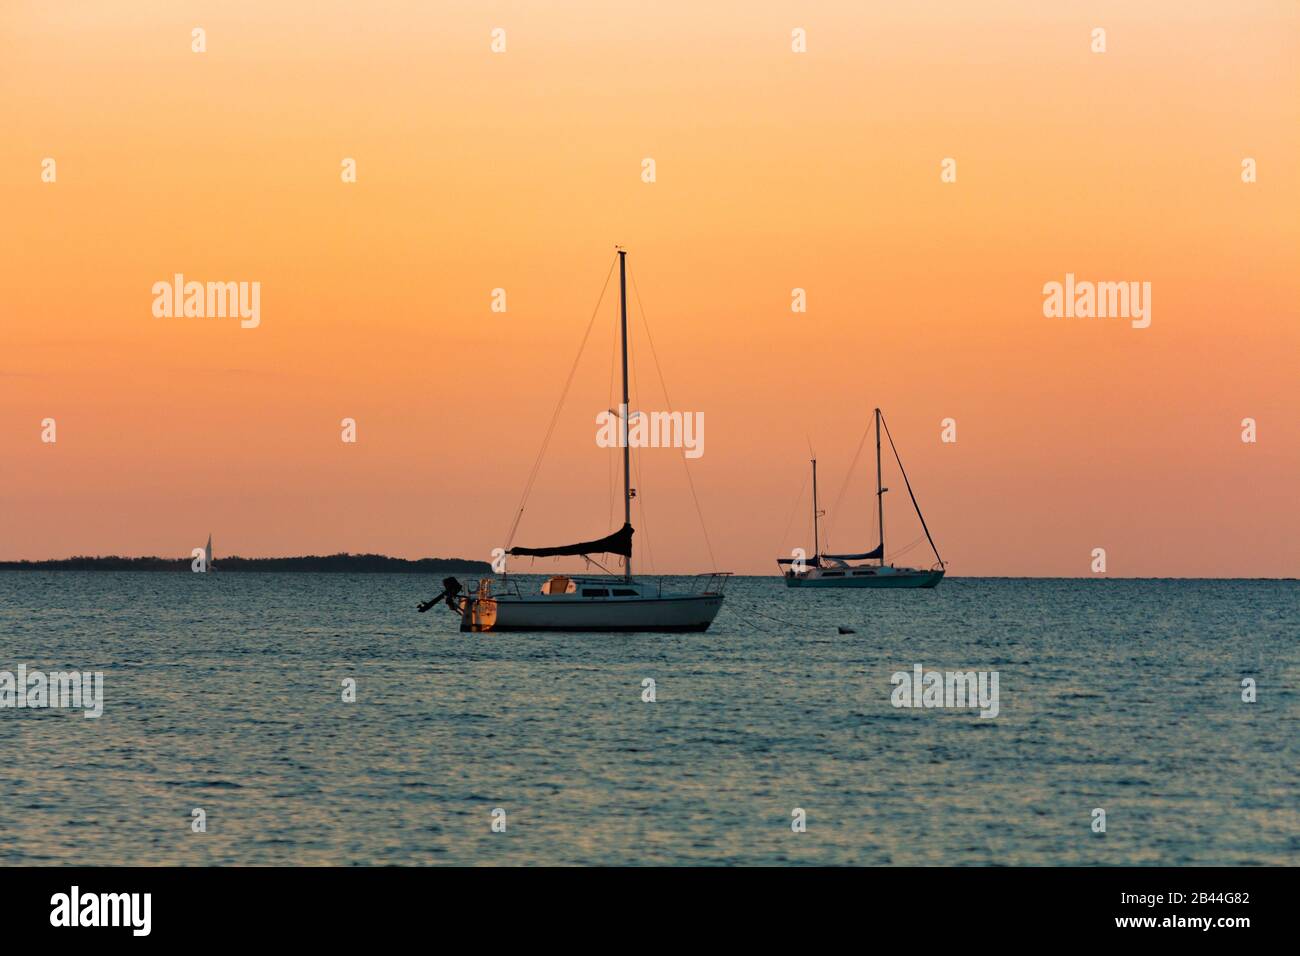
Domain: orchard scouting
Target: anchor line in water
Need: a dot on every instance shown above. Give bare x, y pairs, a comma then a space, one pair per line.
785, 624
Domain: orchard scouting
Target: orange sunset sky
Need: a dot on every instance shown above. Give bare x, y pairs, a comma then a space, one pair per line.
775, 170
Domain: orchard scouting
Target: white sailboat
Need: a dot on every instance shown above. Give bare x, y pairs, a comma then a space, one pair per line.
608, 602
836, 571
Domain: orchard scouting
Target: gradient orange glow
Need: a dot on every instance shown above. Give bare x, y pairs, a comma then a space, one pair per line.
774, 171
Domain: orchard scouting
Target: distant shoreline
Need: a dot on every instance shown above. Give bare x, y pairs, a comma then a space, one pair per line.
341, 563
382, 564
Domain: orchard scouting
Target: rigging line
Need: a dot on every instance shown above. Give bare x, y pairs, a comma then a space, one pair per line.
785, 535
590, 561
908, 547
636, 465
785, 624
845, 487
612, 457
645, 323
903, 472
817, 513
555, 416
645, 525
586, 557
816, 517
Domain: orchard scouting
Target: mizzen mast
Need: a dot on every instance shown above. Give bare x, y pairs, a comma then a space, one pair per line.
817, 548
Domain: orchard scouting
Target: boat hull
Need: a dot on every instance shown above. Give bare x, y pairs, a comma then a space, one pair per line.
877, 578
666, 614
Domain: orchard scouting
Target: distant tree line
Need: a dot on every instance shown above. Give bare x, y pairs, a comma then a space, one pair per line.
350, 563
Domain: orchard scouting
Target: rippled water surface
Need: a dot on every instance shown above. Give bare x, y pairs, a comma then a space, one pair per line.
224, 692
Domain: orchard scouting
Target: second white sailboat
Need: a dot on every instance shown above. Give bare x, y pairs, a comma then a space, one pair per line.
837, 570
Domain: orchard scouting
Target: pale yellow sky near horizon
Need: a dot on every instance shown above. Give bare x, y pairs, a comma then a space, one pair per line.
775, 170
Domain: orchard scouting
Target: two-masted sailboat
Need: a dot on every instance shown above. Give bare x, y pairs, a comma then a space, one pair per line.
609, 602
835, 570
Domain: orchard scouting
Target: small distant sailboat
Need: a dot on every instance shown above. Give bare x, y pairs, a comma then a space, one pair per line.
590, 603
835, 571
207, 555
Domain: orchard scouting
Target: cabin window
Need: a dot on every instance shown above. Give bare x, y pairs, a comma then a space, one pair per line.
624, 592
595, 592
833, 574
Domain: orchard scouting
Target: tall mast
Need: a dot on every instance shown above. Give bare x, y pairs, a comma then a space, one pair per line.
880, 493
817, 548
627, 452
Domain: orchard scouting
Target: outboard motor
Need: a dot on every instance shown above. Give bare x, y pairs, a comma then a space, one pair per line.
451, 589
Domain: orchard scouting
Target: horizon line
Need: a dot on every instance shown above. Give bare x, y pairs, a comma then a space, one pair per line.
4, 562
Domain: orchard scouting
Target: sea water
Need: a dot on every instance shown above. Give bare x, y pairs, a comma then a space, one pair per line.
229, 695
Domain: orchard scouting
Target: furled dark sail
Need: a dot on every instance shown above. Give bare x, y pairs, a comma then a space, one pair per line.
620, 542
876, 552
